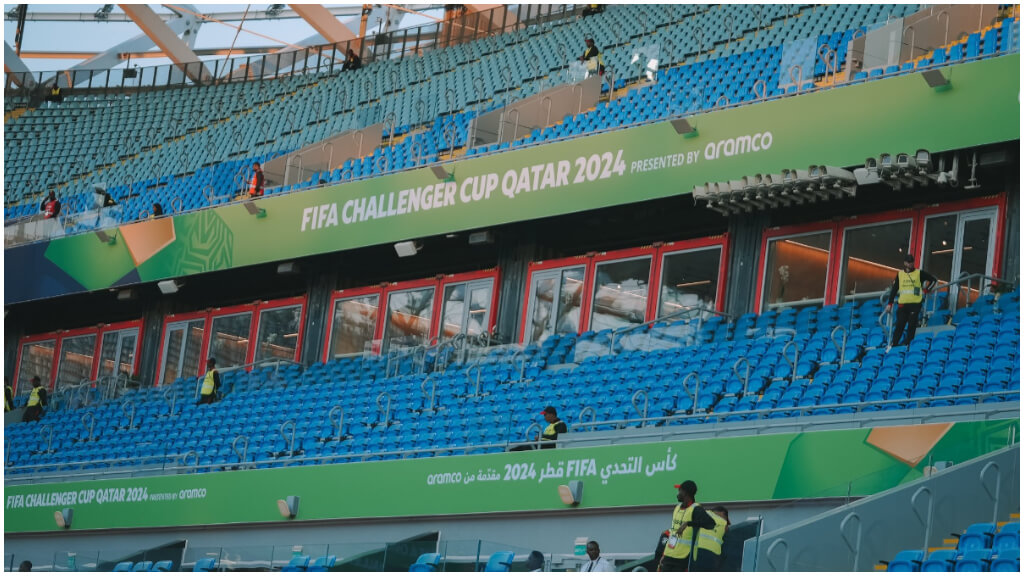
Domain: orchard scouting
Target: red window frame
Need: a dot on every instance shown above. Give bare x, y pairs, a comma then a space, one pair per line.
917, 217
384, 291
656, 252
210, 314
58, 336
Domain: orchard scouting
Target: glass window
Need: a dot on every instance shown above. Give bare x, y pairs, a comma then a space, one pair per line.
570, 298
183, 344
458, 317
278, 333
76, 356
355, 321
409, 315
542, 302
559, 291
939, 246
796, 270
229, 340
620, 293
871, 257
117, 353
36, 360
689, 279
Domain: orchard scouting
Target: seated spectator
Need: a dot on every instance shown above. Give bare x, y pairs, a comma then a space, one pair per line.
592, 58
157, 212
591, 9
50, 207
352, 61
55, 96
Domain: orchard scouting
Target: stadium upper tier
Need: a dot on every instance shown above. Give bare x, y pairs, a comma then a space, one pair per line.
816, 361
191, 147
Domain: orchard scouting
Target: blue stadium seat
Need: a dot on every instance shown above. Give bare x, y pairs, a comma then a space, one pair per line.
123, 567
940, 561
163, 566
1006, 560
500, 562
296, 564
974, 560
906, 561
977, 536
322, 564
144, 566
428, 562
207, 564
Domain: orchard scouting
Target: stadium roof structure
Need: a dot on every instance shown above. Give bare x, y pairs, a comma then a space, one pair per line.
42, 38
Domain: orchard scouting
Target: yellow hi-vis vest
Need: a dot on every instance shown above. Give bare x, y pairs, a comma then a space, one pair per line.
33, 398
549, 431
711, 540
208, 383
910, 287
682, 547
9, 404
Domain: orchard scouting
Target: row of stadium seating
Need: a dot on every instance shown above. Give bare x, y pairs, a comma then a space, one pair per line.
181, 136
797, 366
983, 547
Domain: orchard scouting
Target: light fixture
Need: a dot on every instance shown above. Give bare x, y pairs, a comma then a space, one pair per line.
63, 517
407, 248
126, 294
289, 507
103, 12
443, 174
683, 127
274, 9
288, 268
254, 210
571, 494
485, 237
771, 190
106, 238
936, 80
168, 286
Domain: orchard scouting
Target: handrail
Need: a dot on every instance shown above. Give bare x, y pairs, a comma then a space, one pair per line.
131, 415
91, 425
423, 388
746, 376
926, 521
475, 366
387, 409
853, 546
340, 411
696, 391
796, 356
46, 433
840, 346
805, 410
588, 409
964, 279
289, 440
700, 310
245, 448
647, 400
195, 459
993, 495
768, 555
173, 398
536, 438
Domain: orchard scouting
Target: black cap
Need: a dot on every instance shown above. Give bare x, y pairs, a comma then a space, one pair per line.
690, 486
908, 258
35, 379
550, 410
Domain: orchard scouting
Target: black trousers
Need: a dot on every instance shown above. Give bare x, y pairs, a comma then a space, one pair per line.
907, 318
32, 413
674, 564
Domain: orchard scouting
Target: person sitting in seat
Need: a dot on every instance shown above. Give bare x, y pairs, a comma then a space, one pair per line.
352, 61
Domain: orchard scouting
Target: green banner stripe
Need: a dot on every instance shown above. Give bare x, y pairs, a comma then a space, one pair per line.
751, 468
833, 127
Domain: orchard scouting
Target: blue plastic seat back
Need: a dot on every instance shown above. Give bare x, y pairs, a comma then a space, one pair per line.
976, 560
123, 567
322, 564
144, 566
939, 561
977, 536
906, 561
1006, 560
205, 564
500, 562
297, 564
163, 566
1008, 537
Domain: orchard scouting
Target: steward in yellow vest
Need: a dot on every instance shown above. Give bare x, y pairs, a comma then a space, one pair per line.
211, 383
36, 400
688, 519
8, 397
910, 287
709, 542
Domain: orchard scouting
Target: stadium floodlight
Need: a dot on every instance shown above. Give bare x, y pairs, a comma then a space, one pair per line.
683, 127
63, 517
168, 286
924, 161
288, 507
407, 248
702, 192
885, 166
571, 494
936, 80
103, 12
